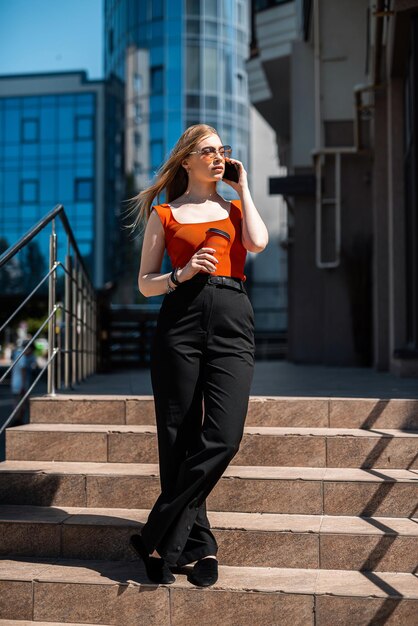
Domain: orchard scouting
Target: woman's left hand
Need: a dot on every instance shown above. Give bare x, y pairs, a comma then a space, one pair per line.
242, 177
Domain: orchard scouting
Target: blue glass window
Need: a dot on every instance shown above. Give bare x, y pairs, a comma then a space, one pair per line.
65, 185
65, 123
211, 8
138, 83
138, 112
85, 99
210, 66
156, 154
48, 100
211, 102
31, 102
157, 55
83, 127
157, 9
48, 124
29, 191
193, 26
157, 32
10, 152
30, 130
11, 188
66, 100
12, 103
157, 82
83, 189
85, 103
193, 67
193, 102
211, 28
193, 7
12, 130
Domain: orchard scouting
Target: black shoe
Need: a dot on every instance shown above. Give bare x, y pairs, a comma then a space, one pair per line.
156, 568
204, 573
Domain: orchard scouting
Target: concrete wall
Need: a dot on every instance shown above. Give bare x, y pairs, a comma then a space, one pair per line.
271, 265
330, 310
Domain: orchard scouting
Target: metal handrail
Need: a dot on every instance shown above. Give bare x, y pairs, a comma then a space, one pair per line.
79, 308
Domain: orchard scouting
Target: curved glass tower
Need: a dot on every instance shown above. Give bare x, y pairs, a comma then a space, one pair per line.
182, 63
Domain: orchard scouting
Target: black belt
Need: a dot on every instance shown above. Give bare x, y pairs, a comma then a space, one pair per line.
227, 281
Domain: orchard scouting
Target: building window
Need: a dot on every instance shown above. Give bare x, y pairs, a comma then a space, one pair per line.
137, 140
138, 168
30, 130
83, 127
111, 43
157, 9
261, 5
241, 85
83, 190
211, 102
29, 191
193, 101
193, 7
193, 67
138, 83
156, 154
210, 66
138, 112
193, 26
157, 79
211, 8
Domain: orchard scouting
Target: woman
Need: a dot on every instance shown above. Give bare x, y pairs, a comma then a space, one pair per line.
202, 356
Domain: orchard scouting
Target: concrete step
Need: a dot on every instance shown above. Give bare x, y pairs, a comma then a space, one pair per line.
300, 490
117, 593
261, 445
18, 622
244, 539
262, 411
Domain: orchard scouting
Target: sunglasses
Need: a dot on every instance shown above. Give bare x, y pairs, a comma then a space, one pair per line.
210, 152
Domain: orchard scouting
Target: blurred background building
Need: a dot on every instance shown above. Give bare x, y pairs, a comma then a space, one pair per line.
57, 146
337, 81
318, 100
184, 63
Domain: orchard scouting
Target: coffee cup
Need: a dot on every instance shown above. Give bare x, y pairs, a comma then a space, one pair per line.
218, 239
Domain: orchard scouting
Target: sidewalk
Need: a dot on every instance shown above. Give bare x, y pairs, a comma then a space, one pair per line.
275, 378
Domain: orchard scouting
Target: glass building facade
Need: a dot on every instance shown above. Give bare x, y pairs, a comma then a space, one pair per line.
52, 151
182, 62
47, 156
193, 71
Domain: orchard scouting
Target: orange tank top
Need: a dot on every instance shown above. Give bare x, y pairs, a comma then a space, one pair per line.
183, 240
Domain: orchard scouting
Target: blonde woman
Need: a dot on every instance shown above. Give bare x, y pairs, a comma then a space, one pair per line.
202, 357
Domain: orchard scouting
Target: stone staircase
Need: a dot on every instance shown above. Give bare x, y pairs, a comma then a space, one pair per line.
316, 517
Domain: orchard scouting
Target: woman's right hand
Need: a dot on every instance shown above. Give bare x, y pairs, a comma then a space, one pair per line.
202, 260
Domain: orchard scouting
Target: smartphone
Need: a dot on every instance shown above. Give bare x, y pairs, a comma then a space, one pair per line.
231, 172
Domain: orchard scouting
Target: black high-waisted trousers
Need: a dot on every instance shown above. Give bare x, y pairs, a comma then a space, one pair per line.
202, 363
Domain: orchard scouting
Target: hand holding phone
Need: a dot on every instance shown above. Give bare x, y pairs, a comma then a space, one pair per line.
231, 172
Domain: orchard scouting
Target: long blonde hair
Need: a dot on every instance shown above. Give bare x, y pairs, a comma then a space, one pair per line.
171, 176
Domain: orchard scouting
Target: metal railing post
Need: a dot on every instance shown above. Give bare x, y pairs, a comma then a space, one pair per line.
72, 355
68, 317
79, 326
58, 342
84, 328
74, 371
51, 309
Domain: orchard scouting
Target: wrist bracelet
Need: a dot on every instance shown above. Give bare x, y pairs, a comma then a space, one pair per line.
169, 288
173, 276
